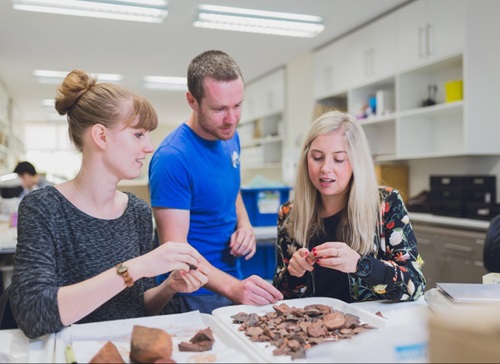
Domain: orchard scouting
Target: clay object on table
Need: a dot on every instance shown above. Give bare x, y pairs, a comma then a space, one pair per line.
149, 345
108, 354
203, 340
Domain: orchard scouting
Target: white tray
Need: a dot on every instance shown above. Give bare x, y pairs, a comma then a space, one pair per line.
87, 339
265, 350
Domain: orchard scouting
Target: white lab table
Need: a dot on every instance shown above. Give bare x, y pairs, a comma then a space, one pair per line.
16, 347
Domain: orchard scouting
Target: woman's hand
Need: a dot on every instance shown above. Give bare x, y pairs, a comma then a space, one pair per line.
336, 255
187, 281
300, 262
169, 256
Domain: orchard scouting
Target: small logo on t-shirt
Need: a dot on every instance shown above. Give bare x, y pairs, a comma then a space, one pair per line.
235, 157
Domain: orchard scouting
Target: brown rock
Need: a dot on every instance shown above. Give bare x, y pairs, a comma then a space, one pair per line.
203, 340
334, 320
108, 354
150, 345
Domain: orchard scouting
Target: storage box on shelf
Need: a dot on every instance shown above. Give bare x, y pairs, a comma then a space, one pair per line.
472, 196
262, 204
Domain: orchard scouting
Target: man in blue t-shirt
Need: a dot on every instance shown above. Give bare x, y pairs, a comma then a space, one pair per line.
194, 180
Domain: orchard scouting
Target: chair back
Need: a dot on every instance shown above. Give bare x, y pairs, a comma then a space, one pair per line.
491, 253
7, 320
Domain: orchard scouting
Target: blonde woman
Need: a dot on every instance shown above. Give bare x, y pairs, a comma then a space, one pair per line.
343, 236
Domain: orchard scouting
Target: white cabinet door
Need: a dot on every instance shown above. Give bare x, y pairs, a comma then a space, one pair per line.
372, 50
446, 22
411, 35
249, 103
429, 30
333, 73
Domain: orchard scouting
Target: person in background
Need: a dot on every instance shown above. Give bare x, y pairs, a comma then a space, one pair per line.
84, 250
194, 178
343, 236
30, 179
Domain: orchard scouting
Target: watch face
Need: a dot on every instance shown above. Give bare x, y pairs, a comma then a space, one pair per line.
364, 267
121, 268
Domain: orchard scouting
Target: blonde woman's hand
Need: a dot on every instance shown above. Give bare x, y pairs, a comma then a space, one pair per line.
336, 255
300, 263
188, 281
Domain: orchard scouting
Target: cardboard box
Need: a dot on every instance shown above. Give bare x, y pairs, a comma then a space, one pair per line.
465, 336
394, 175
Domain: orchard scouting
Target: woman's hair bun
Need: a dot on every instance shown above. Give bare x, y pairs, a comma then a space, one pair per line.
75, 84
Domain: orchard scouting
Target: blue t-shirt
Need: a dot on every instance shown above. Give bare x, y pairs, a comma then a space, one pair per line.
188, 172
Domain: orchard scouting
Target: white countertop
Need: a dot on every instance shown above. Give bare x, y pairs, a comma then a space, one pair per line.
457, 222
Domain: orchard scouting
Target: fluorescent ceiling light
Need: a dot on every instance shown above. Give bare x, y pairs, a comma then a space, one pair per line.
165, 83
56, 77
150, 11
256, 21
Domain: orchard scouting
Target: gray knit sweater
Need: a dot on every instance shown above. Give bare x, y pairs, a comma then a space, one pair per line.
59, 245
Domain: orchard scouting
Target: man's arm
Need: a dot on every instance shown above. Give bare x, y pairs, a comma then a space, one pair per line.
243, 241
173, 225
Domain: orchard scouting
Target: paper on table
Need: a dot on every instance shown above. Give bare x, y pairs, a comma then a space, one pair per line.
88, 339
15, 347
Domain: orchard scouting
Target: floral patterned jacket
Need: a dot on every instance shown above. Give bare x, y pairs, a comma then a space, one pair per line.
396, 248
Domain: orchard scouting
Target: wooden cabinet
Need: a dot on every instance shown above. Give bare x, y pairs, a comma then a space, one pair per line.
461, 48
450, 254
261, 125
429, 30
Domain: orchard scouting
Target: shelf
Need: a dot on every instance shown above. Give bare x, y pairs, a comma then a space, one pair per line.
433, 111
249, 166
261, 141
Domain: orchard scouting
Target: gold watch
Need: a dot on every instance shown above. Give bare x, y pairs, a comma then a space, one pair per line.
122, 270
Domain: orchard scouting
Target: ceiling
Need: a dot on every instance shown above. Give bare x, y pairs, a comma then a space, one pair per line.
30, 41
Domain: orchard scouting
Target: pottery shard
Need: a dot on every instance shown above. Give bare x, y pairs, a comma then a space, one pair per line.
282, 309
108, 354
351, 321
240, 317
316, 329
334, 320
203, 340
150, 345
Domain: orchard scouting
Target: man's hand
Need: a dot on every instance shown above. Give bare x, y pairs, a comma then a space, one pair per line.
256, 291
243, 243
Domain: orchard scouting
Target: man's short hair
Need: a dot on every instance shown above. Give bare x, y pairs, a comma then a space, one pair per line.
25, 167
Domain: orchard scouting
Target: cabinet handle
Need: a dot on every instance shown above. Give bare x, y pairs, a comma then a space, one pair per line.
421, 42
372, 62
366, 62
328, 78
428, 48
466, 249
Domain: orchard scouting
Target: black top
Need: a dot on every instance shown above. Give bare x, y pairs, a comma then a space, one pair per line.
330, 282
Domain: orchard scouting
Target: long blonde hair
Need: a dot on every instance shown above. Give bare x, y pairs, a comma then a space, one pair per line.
358, 224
